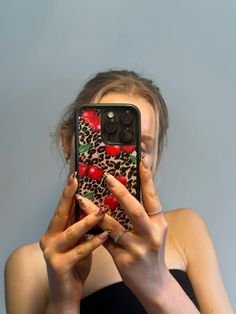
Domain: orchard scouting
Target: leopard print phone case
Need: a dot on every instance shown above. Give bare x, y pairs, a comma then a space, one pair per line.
106, 141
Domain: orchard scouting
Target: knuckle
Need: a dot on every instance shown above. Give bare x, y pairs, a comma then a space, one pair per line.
152, 197
48, 256
55, 263
120, 191
51, 257
53, 260
147, 175
57, 212
138, 213
65, 193
157, 238
155, 242
139, 253
112, 224
90, 245
57, 215
68, 193
70, 233
43, 242
81, 251
88, 221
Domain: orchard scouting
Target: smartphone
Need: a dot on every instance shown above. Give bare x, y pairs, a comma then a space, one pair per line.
107, 139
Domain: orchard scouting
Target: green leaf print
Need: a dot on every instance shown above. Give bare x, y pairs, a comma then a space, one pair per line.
88, 195
133, 159
84, 148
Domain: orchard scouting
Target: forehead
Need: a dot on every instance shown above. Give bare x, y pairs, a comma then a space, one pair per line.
148, 119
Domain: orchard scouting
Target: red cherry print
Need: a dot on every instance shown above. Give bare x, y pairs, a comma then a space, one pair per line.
95, 173
113, 150
82, 169
95, 123
111, 202
122, 179
88, 114
128, 149
92, 118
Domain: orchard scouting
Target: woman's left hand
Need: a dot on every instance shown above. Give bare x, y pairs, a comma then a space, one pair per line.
139, 254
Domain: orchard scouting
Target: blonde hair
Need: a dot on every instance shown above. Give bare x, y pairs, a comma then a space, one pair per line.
123, 82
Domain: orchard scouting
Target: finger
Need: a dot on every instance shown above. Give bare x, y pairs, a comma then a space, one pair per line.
150, 198
113, 248
60, 218
85, 249
119, 253
74, 233
107, 223
131, 205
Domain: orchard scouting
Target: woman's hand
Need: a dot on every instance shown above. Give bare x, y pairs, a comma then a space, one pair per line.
138, 255
67, 253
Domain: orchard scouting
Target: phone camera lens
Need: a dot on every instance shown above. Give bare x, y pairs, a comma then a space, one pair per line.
110, 126
110, 114
126, 135
126, 117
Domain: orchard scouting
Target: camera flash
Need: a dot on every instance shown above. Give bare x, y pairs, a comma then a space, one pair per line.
110, 114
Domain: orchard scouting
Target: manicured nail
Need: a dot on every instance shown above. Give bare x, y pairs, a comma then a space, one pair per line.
103, 235
105, 175
79, 198
144, 161
110, 180
71, 178
74, 174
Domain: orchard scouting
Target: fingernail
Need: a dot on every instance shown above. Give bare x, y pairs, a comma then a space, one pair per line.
110, 180
79, 198
100, 212
71, 178
105, 175
144, 161
103, 235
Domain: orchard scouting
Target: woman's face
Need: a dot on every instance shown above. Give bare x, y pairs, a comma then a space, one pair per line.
148, 120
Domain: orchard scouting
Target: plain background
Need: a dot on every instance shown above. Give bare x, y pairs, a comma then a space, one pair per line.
50, 48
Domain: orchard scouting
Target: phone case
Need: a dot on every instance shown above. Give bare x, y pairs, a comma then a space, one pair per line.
94, 156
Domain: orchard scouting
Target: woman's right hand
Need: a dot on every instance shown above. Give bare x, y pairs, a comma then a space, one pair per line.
68, 254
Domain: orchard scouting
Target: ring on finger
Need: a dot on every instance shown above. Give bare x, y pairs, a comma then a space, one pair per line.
155, 212
119, 235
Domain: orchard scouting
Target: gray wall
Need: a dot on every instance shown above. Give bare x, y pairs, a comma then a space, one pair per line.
49, 48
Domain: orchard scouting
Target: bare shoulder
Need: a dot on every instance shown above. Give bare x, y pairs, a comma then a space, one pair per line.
26, 263
189, 229
193, 236
25, 256
31, 248
181, 215
25, 278
182, 220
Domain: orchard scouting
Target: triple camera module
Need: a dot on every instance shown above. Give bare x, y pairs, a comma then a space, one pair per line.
118, 125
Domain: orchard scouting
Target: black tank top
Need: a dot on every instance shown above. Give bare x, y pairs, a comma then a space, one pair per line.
118, 299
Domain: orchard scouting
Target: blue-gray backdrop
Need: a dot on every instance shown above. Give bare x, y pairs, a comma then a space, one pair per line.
50, 48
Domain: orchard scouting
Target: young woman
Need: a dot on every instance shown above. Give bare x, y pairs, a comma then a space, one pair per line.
167, 264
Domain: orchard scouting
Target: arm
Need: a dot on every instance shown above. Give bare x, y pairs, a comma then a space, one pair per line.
203, 270
26, 281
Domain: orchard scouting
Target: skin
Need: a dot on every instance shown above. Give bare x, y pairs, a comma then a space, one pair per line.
54, 277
